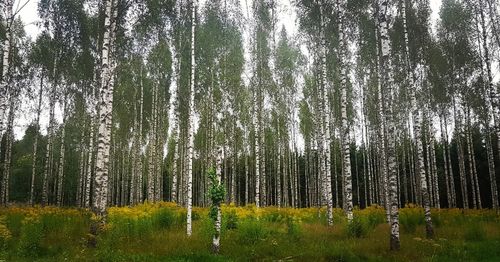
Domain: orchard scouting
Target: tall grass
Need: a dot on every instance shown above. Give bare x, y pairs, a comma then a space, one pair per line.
156, 232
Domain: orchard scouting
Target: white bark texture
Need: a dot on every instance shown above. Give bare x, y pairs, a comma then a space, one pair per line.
385, 73
417, 125
6, 8
35, 144
345, 125
191, 122
105, 113
60, 174
327, 178
218, 221
4, 190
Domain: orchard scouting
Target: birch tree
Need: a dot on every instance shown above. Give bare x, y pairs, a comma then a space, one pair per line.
6, 7
189, 170
105, 113
386, 81
343, 65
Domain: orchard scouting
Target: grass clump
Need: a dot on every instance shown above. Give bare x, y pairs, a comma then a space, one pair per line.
5, 234
251, 231
164, 218
30, 243
474, 232
356, 228
230, 220
294, 229
410, 219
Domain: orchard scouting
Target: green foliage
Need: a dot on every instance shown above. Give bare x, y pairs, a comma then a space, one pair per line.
154, 233
5, 234
474, 232
30, 243
274, 216
374, 219
230, 220
164, 218
410, 220
356, 228
251, 231
294, 229
216, 193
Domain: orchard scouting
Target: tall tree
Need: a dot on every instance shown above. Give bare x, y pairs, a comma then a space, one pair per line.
105, 109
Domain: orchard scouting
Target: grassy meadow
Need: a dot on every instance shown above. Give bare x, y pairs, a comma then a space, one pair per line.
156, 232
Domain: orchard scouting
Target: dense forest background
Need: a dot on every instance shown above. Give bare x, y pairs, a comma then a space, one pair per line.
343, 111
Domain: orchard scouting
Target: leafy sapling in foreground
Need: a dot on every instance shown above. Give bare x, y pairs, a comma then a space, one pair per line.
217, 193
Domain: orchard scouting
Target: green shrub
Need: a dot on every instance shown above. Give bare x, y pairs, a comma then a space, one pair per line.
181, 217
164, 218
14, 223
251, 231
230, 220
410, 220
293, 228
31, 239
273, 216
436, 219
5, 234
356, 228
207, 229
474, 233
374, 219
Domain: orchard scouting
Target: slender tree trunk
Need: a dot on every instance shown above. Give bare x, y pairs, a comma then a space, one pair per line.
420, 161
434, 173
139, 171
445, 167
60, 176
263, 184
35, 144
386, 82
383, 190
491, 169
278, 173
461, 161
175, 137
256, 125
470, 157
48, 164
343, 108
6, 8
218, 221
88, 176
4, 191
100, 195
81, 176
450, 166
326, 118
191, 122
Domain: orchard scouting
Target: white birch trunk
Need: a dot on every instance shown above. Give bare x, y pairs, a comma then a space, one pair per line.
256, 125
327, 178
385, 72
48, 162
6, 7
90, 156
343, 108
105, 113
60, 175
218, 221
4, 191
191, 122
35, 144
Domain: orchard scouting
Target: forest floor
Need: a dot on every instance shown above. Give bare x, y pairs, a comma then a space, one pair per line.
156, 232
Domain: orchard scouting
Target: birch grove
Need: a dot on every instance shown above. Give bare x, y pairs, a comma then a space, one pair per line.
389, 104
